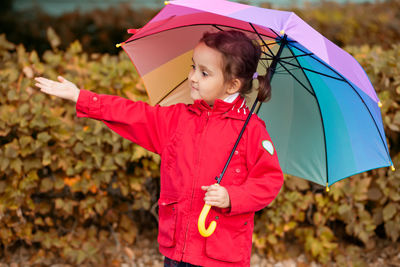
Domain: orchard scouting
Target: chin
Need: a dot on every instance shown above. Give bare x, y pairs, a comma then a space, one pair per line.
194, 95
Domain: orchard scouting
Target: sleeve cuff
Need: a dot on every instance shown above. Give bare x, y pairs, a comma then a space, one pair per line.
235, 198
88, 105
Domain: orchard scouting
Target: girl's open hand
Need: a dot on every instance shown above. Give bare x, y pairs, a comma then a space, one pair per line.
217, 196
64, 88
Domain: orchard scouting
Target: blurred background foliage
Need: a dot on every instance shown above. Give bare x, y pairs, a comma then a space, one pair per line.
74, 192
99, 30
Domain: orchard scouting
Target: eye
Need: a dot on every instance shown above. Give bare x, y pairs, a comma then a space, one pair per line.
205, 74
193, 67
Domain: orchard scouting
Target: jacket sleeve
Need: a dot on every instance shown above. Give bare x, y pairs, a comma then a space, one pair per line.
139, 122
265, 177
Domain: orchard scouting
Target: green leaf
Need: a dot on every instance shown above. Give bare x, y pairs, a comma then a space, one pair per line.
12, 95
16, 165
4, 44
44, 137
32, 164
39, 221
25, 140
46, 185
272, 239
389, 211
53, 38
392, 230
58, 183
11, 149
75, 47
46, 160
4, 163
29, 182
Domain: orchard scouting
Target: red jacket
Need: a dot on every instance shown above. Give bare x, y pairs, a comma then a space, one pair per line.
194, 142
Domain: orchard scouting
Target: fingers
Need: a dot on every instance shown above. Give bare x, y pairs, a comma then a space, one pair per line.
205, 188
216, 195
50, 87
44, 82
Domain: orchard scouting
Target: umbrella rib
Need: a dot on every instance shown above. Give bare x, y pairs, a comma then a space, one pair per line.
262, 40
314, 71
268, 55
296, 79
285, 71
362, 100
274, 43
320, 113
296, 56
351, 86
170, 91
292, 57
269, 58
277, 35
263, 64
215, 26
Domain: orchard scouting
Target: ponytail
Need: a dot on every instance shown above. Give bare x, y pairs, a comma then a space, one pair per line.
264, 88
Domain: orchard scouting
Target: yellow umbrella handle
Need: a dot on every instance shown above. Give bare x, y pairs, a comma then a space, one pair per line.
202, 221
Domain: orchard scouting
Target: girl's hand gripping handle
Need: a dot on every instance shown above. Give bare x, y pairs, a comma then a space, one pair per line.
202, 221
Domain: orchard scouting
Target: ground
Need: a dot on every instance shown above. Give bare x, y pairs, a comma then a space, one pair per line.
145, 253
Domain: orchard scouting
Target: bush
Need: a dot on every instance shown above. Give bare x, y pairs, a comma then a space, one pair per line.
69, 186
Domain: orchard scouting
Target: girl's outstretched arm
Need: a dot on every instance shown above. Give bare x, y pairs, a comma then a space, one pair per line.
64, 88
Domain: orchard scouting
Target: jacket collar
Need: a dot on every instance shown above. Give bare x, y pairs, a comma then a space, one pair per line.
237, 109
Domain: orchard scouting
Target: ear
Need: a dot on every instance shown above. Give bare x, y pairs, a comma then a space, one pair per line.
234, 86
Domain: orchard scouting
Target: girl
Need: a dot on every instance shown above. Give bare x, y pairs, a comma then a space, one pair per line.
194, 142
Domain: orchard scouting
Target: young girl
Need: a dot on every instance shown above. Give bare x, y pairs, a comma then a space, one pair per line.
194, 142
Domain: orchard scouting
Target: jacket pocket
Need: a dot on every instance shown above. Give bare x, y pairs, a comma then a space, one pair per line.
237, 168
167, 215
228, 242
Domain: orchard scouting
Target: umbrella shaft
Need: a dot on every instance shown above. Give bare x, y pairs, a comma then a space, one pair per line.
272, 69
219, 178
278, 55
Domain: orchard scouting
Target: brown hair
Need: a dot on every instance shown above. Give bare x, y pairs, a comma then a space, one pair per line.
240, 58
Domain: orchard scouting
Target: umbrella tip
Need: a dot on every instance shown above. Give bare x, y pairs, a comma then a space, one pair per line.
120, 44
380, 104
166, 2
327, 187
282, 32
393, 168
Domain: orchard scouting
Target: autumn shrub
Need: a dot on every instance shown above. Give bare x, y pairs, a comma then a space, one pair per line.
77, 192
358, 24
69, 186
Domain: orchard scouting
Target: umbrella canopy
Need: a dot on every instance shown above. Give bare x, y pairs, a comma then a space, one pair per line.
324, 116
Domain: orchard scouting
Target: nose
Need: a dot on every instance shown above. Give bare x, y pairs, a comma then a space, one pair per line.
192, 76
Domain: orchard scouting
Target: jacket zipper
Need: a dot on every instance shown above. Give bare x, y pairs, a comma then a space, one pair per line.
194, 181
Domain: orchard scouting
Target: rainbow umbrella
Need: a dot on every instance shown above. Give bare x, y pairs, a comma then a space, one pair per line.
324, 115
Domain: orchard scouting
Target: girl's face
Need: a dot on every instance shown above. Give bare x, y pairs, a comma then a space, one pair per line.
206, 79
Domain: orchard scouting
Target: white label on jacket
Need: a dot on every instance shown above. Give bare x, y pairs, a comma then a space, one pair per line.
268, 146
